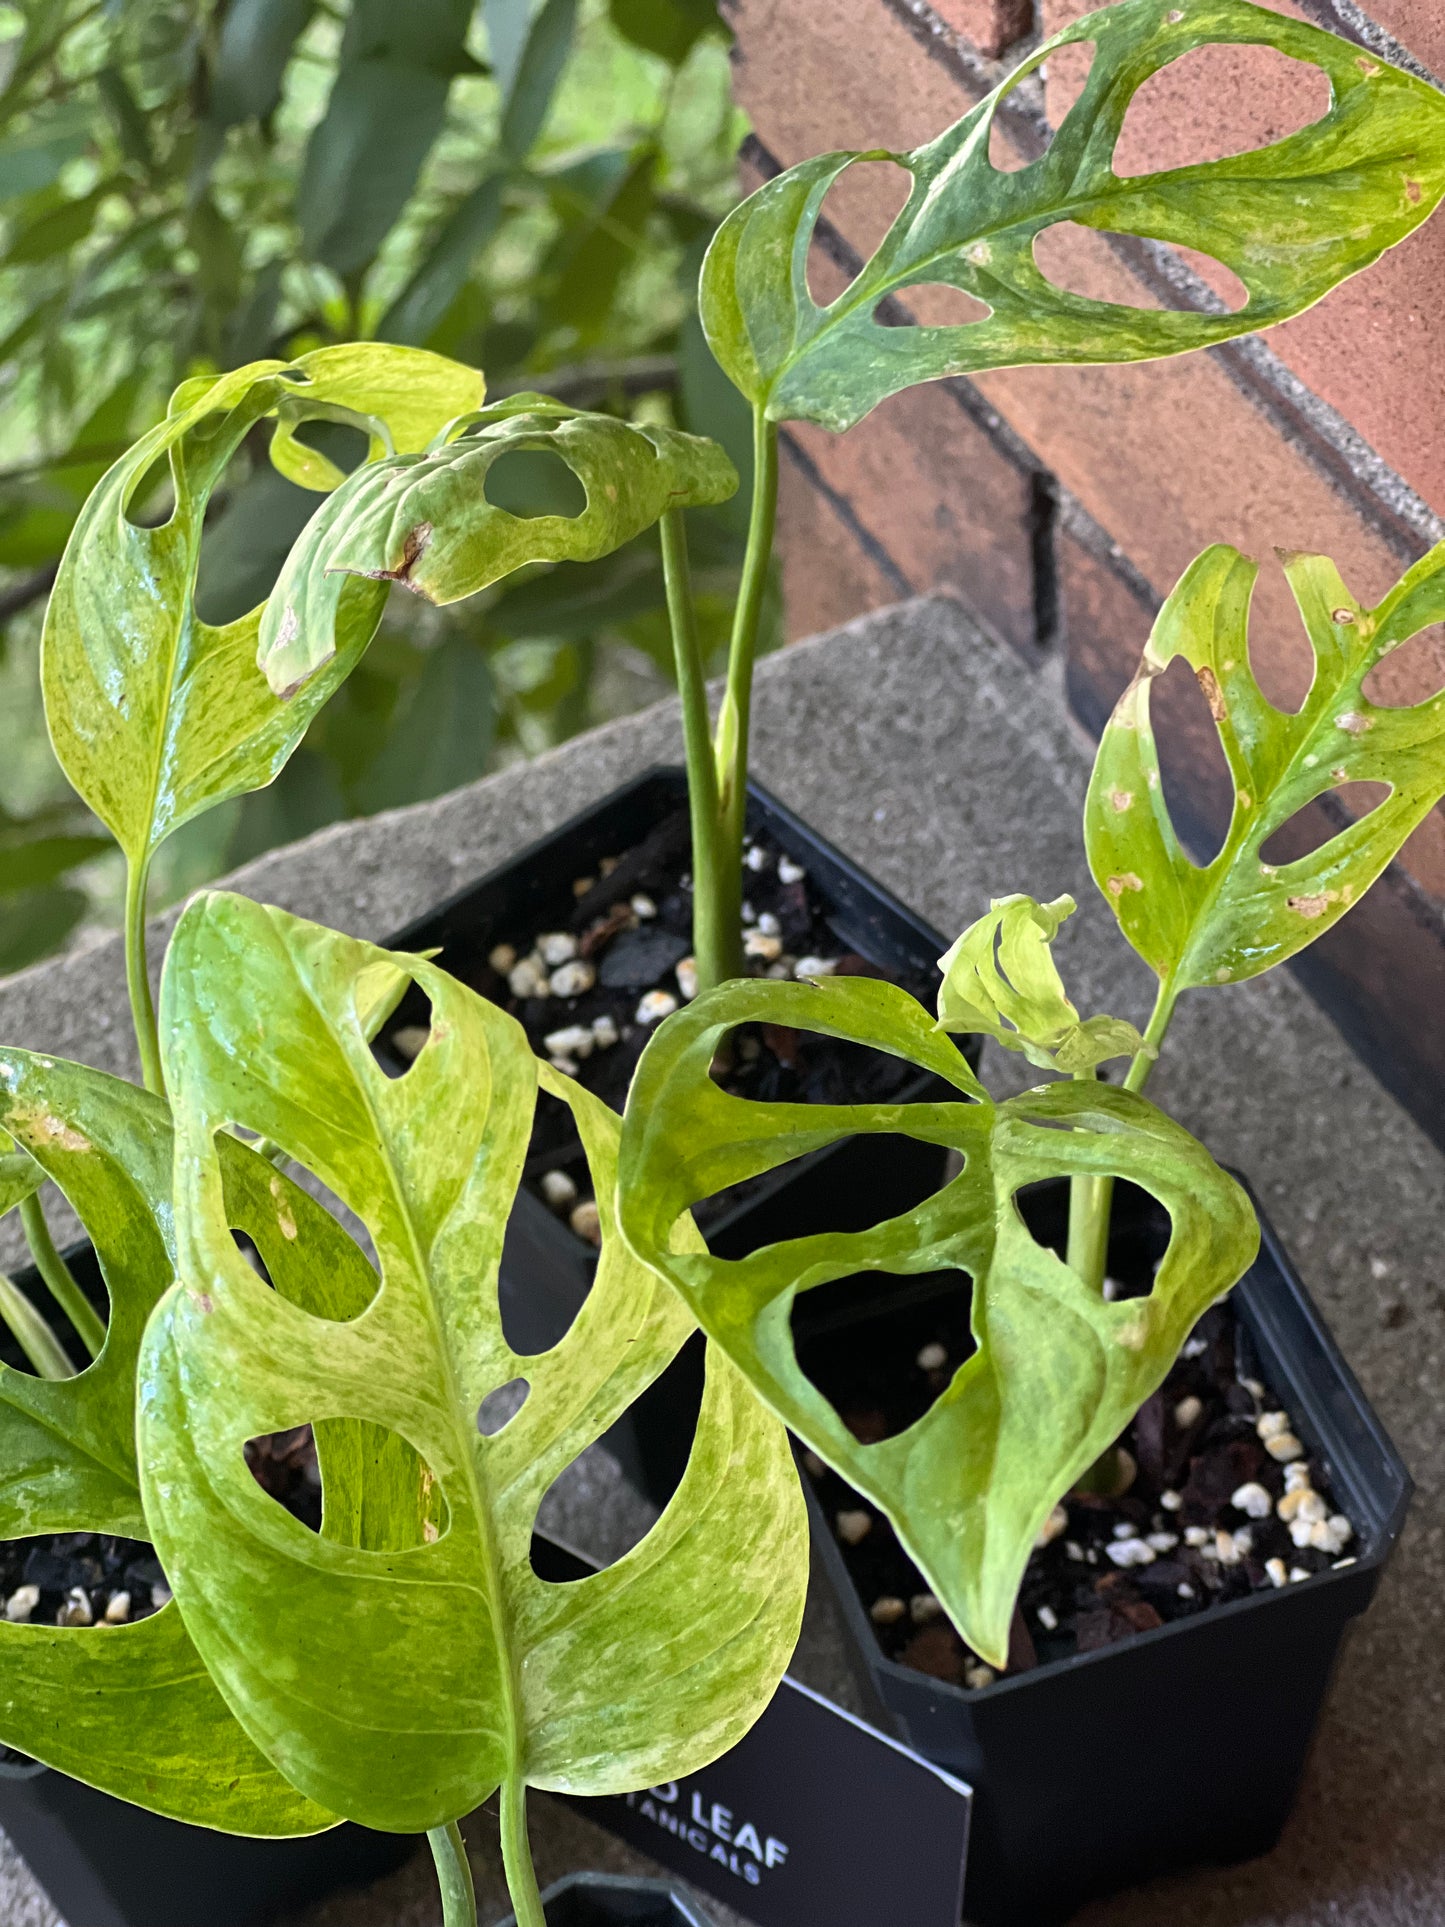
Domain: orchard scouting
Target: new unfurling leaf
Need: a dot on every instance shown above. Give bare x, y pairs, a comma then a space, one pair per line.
425, 520
1000, 980
1291, 219
1238, 915
399, 1667
1057, 1371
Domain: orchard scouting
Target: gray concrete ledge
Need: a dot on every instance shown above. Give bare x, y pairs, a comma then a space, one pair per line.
947, 768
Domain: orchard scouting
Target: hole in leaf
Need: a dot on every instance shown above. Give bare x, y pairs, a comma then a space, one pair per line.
340, 442
1215, 101
1139, 1229
932, 304
1065, 74
883, 1349
534, 482
1079, 260
297, 1235
1195, 775
501, 1406
1216, 275
594, 1505
860, 206
285, 1466
1411, 673
360, 1483
860, 1180
1280, 657
85, 1269
406, 1033
81, 1579
1310, 828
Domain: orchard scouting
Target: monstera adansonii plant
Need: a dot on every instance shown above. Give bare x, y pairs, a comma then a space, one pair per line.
405, 1662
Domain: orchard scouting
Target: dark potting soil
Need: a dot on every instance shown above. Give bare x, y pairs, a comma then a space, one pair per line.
1182, 1539
626, 947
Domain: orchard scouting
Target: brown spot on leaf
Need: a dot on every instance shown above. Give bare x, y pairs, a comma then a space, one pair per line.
1314, 905
205, 1301
1412, 191
42, 1128
1126, 881
1344, 617
429, 1532
1353, 723
413, 548
1209, 683
1121, 799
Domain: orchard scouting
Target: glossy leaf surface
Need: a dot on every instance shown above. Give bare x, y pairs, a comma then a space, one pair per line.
1238, 915
425, 520
1291, 219
1000, 980
68, 1695
400, 1679
1057, 1372
156, 715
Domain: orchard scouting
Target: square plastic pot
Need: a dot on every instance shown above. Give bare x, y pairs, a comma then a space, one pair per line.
605, 1900
1176, 1747
546, 1269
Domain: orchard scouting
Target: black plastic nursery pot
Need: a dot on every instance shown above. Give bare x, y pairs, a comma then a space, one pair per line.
105, 1863
606, 1900
1175, 1747
547, 1269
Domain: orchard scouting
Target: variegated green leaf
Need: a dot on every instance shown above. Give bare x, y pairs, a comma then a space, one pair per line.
1291, 219
156, 715
425, 520
1238, 915
68, 1695
1000, 980
401, 1681
1057, 1372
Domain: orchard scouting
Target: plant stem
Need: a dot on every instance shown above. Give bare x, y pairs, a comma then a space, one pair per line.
1091, 1200
60, 1282
517, 1855
709, 940
454, 1876
31, 1333
137, 977
722, 883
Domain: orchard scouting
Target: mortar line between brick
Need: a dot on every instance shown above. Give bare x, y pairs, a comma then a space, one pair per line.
1351, 22
847, 515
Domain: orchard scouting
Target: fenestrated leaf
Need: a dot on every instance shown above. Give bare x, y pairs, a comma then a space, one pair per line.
402, 1686
1238, 915
154, 714
1291, 219
425, 520
68, 1694
1000, 980
1057, 1372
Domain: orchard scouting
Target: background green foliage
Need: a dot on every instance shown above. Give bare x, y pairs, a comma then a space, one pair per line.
190, 184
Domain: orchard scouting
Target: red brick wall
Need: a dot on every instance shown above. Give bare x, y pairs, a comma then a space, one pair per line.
1062, 504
